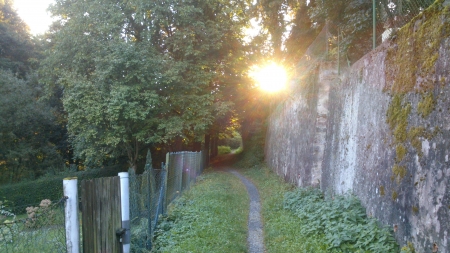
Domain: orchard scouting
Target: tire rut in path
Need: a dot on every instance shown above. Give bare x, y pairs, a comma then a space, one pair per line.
255, 237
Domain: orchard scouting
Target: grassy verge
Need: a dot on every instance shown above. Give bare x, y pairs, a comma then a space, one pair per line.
281, 226
302, 220
211, 217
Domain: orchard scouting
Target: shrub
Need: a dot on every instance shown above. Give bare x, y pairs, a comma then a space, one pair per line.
5, 212
223, 150
42, 215
24, 194
341, 220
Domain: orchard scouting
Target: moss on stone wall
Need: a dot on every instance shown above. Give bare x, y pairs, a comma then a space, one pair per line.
411, 62
397, 118
399, 172
410, 67
426, 104
400, 152
382, 191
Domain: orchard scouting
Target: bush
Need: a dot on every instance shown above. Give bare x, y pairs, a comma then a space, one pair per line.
24, 194
253, 152
341, 220
223, 150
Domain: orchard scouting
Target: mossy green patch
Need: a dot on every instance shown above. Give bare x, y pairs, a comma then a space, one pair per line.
414, 135
415, 209
382, 191
426, 104
399, 172
400, 152
411, 63
394, 195
411, 67
397, 117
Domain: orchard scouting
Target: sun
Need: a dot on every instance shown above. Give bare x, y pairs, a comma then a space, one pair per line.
270, 78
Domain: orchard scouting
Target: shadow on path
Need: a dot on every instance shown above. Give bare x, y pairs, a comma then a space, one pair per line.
255, 236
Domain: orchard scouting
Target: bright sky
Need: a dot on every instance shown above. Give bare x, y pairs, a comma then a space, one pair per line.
34, 13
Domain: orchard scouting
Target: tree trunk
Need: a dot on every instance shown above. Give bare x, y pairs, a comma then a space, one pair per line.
178, 145
197, 146
215, 149
207, 146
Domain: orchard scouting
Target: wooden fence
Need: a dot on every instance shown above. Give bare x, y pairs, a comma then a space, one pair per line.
101, 215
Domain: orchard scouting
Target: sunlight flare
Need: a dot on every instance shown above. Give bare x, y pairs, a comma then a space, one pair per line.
270, 78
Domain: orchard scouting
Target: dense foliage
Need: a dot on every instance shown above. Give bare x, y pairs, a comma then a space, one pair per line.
123, 76
16, 47
139, 73
28, 131
342, 222
31, 139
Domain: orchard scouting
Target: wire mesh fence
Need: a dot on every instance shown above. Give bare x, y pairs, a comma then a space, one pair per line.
393, 14
41, 230
152, 191
182, 170
342, 44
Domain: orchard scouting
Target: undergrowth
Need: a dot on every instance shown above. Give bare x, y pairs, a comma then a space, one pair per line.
342, 222
211, 217
281, 226
303, 220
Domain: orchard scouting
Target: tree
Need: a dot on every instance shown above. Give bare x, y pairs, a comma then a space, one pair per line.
137, 73
275, 16
302, 34
203, 40
101, 56
28, 131
16, 47
354, 20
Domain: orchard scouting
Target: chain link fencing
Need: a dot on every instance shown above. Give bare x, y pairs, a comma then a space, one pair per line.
393, 14
41, 230
333, 44
152, 191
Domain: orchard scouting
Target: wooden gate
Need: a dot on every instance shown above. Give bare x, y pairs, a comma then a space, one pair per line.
101, 215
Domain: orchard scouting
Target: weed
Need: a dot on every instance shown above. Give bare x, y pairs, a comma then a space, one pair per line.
408, 248
341, 220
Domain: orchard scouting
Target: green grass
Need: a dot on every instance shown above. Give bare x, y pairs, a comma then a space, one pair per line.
211, 217
302, 220
281, 226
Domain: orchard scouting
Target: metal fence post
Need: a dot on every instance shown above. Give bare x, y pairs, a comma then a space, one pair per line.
166, 195
125, 208
70, 186
374, 25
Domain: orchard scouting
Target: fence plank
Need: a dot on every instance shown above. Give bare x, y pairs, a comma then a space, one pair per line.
101, 214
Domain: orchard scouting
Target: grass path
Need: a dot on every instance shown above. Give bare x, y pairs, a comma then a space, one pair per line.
215, 214
255, 235
211, 217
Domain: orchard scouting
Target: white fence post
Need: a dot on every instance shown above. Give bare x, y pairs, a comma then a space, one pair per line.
125, 208
71, 214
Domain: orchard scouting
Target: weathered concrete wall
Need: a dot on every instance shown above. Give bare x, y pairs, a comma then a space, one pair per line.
341, 137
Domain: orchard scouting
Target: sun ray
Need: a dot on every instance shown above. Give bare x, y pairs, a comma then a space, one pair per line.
271, 78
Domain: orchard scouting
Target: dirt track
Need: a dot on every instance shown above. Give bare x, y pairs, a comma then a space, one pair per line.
255, 236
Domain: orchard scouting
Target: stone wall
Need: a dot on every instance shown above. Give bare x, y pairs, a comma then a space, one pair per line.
357, 134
